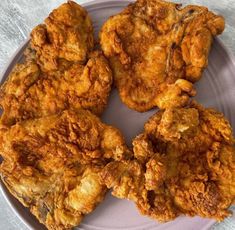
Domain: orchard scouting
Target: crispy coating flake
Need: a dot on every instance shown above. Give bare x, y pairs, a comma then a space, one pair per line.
31, 93
67, 34
184, 163
157, 50
51, 164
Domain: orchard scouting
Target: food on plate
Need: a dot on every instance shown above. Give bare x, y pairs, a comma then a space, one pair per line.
157, 50
66, 36
58, 159
184, 163
51, 164
32, 93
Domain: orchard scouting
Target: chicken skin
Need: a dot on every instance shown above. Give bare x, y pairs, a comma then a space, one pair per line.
157, 50
51, 164
184, 163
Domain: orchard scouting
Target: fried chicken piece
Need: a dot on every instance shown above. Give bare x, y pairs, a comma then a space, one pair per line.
31, 93
59, 71
157, 50
51, 164
184, 163
66, 35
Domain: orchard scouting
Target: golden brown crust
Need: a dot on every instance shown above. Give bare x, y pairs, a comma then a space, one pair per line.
59, 71
186, 161
31, 93
51, 164
157, 50
67, 34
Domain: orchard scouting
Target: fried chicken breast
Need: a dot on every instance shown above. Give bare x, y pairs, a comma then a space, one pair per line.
157, 50
184, 163
51, 164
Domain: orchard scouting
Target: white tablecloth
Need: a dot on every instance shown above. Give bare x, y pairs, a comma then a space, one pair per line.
18, 17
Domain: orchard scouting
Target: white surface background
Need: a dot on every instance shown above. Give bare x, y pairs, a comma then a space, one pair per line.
18, 17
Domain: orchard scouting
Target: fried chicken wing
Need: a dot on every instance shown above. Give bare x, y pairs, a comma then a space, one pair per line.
51, 164
184, 163
157, 50
66, 35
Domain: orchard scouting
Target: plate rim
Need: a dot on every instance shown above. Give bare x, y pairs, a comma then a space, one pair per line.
16, 56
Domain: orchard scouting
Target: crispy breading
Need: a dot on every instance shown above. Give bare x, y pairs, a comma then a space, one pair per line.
31, 93
66, 35
184, 163
59, 71
51, 164
157, 50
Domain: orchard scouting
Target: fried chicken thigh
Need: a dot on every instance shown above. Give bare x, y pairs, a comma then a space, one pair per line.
184, 163
59, 71
51, 164
157, 50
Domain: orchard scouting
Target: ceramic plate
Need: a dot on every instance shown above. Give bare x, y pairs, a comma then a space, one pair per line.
215, 89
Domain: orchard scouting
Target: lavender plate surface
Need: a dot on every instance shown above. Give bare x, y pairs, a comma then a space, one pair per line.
216, 89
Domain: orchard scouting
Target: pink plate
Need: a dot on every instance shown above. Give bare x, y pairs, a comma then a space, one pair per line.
216, 89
